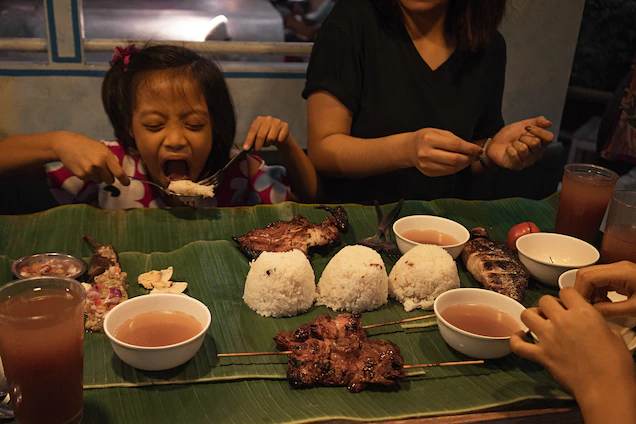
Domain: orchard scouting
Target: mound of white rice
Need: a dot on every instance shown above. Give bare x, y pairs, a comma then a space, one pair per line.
422, 274
354, 280
280, 284
190, 188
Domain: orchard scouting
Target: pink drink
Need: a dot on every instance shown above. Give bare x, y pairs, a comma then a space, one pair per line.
619, 241
585, 194
42, 348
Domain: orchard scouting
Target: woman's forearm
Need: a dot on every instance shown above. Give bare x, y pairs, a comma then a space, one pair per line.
340, 155
23, 154
301, 173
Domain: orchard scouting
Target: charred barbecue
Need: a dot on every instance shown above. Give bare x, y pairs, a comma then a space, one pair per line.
283, 236
324, 327
494, 265
336, 352
349, 362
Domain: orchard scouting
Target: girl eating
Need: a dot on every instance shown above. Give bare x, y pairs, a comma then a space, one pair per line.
173, 119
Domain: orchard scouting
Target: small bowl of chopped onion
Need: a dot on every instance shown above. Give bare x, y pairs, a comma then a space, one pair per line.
49, 264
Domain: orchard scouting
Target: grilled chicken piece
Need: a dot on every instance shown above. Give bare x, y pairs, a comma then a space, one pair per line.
347, 362
283, 236
324, 327
494, 265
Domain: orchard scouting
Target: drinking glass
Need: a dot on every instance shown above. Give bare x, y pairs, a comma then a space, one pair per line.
42, 348
585, 194
619, 240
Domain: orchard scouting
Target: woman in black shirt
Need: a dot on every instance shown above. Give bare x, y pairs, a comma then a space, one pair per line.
395, 89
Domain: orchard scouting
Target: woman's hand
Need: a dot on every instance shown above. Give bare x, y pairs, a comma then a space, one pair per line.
519, 145
580, 350
88, 159
595, 281
266, 131
437, 152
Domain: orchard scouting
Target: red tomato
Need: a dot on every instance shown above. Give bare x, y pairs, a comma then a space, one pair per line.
520, 230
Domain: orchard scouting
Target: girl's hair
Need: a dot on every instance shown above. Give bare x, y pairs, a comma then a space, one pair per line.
471, 22
128, 72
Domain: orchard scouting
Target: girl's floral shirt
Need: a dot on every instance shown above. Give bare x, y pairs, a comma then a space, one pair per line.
265, 186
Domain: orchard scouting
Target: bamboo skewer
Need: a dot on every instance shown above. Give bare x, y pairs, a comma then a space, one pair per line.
229, 355
365, 327
444, 364
287, 352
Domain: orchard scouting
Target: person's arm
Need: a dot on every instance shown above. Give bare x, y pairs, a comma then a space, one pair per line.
268, 131
335, 152
580, 350
23, 155
86, 158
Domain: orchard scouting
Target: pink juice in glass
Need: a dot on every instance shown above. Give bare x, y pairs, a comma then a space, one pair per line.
584, 199
42, 349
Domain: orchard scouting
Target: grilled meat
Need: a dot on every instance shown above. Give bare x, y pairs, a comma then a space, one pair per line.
324, 327
283, 236
350, 362
494, 265
108, 284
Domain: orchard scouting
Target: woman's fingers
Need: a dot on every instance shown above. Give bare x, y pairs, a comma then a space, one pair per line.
612, 276
445, 140
533, 144
117, 171
545, 136
251, 134
525, 349
513, 157
617, 309
550, 306
452, 159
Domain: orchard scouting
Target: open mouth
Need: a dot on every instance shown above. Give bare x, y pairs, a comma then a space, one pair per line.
176, 170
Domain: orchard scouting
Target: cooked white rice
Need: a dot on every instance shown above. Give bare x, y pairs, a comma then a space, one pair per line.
422, 274
354, 280
189, 188
280, 284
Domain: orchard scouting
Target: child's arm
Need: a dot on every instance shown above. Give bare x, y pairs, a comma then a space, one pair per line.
86, 158
269, 131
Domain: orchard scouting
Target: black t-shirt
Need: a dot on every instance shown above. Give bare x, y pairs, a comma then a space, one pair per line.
375, 70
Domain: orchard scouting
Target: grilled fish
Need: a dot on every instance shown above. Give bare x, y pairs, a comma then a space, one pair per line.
494, 265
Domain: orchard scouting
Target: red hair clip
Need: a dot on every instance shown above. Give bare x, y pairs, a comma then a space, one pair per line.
123, 53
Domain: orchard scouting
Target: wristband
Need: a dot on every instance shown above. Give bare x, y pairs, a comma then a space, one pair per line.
483, 158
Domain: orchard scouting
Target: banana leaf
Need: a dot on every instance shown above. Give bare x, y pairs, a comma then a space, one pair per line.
197, 243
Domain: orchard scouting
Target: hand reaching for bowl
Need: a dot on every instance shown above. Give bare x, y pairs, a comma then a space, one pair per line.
580, 350
595, 281
519, 145
437, 152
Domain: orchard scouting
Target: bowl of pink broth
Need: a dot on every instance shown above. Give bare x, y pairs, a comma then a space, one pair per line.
415, 230
478, 322
157, 332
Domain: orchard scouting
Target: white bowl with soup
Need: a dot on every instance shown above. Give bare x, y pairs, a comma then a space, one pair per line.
478, 322
548, 255
157, 332
415, 230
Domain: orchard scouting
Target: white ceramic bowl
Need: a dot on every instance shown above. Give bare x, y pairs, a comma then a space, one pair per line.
163, 357
548, 255
475, 345
430, 222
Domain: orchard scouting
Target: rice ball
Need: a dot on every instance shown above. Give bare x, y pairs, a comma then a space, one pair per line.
422, 274
354, 280
280, 284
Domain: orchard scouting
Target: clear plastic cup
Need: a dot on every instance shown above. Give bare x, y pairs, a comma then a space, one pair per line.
585, 194
42, 348
619, 240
